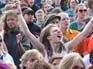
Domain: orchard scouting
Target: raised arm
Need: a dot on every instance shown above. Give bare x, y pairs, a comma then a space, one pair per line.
35, 42
76, 40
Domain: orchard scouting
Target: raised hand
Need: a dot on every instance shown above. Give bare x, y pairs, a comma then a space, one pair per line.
18, 38
16, 6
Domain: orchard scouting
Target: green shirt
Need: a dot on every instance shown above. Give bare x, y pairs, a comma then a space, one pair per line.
74, 26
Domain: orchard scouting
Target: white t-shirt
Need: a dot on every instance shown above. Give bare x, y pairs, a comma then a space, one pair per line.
63, 52
6, 57
86, 61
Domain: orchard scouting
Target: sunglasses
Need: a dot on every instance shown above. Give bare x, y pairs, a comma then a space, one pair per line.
84, 10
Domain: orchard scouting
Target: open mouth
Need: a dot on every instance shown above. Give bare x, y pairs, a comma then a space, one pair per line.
58, 36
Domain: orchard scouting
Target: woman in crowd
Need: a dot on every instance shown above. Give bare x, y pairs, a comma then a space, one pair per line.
15, 40
51, 38
72, 4
72, 61
81, 12
29, 57
47, 8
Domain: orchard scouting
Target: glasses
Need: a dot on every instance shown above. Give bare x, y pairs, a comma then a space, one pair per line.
83, 10
78, 67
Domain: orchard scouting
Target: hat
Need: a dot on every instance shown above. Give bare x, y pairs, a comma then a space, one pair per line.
27, 10
49, 18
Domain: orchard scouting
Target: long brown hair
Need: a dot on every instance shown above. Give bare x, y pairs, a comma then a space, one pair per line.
7, 31
43, 38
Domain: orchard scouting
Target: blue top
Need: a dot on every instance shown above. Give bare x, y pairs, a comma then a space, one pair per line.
70, 12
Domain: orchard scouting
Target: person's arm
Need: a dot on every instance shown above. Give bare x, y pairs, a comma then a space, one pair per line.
82, 35
20, 46
34, 41
4, 46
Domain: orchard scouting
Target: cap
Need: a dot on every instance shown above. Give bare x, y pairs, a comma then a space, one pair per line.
49, 18
27, 10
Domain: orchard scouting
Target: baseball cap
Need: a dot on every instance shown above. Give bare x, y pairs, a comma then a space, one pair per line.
27, 10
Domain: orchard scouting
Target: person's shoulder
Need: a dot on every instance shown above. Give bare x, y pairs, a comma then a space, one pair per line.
37, 27
73, 25
74, 31
74, 22
68, 10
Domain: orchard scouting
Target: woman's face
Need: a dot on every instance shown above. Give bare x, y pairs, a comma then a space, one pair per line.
72, 4
55, 35
82, 12
46, 8
11, 21
29, 62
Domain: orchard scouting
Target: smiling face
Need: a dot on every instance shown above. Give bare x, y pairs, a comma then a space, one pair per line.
11, 21
55, 35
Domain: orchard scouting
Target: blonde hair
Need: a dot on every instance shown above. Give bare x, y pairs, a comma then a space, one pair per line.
77, 7
29, 54
39, 11
81, 4
41, 65
70, 60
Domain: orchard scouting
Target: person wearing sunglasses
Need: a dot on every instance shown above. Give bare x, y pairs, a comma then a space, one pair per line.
81, 12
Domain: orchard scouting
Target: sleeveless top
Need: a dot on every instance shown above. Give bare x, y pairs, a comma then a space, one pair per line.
63, 52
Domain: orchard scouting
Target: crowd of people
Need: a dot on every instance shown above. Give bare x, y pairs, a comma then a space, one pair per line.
46, 34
